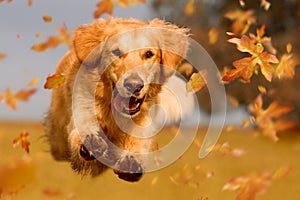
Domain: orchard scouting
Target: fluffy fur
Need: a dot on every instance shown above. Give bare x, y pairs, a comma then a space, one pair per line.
132, 73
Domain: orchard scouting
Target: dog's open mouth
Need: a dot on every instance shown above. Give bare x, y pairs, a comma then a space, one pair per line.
127, 105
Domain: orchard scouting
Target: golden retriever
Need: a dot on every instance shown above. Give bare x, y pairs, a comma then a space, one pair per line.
131, 60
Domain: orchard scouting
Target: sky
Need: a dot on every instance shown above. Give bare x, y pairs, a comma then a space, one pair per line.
21, 64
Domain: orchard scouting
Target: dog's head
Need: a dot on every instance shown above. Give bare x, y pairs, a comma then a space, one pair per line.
135, 57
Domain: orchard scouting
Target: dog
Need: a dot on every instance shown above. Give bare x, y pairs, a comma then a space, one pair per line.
123, 65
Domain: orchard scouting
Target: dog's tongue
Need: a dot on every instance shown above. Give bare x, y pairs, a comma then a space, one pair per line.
119, 103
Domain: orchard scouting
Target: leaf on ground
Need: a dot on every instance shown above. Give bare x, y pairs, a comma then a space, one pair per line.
268, 120
55, 80
15, 175
22, 140
197, 81
242, 20
63, 37
189, 8
213, 35
104, 6
2, 56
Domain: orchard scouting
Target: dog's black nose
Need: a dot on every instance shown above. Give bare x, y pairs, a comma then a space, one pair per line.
134, 84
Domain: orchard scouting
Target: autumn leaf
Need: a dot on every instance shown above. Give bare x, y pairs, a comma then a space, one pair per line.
268, 120
47, 18
189, 8
54, 41
265, 4
11, 98
286, 66
104, 6
242, 3
242, 20
34, 82
262, 89
249, 185
213, 35
55, 80
23, 140
197, 81
281, 172
186, 69
29, 3
2, 56
245, 67
265, 41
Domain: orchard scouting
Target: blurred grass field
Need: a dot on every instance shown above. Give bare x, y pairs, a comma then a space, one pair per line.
197, 177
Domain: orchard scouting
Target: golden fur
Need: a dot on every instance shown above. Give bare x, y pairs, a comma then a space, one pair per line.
93, 48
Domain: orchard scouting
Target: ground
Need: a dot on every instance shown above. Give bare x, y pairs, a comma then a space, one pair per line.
187, 178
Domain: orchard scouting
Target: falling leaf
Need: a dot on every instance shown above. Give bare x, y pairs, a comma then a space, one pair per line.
197, 81
123, 3
52, 193
38, 35
34, 82
47, 18
54, 41
189, 8
242, 3
265, 4
262, 89
286, 66
186, 69
154, 181
2, 56
229, 128
55, 80
29, 3
281, 172
245, 67
18, 36
245, 123
249, 185
242, 20
213, 35
11, 98
104, 6
268, 120
262, 39
15, 175
23, 140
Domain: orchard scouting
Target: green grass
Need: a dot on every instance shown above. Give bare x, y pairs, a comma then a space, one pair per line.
56, 180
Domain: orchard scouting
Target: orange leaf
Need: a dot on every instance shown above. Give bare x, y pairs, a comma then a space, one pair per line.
242, 20
34, 82
54, 41
29, 3
196, 82
2, 56
189, 8
55, 80
47, 19
286, 67
10, 100
213, 35
104, 6
22, 139
281, 172
124, 3
260, 38
262, 89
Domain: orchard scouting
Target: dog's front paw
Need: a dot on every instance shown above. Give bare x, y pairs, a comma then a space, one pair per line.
129, 168
93, 147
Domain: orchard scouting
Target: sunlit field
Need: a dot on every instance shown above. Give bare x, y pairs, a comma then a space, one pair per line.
37, 175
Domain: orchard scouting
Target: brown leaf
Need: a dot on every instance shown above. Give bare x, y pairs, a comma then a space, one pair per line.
47, 18
104, 6
196, 82
22, 139
55, 80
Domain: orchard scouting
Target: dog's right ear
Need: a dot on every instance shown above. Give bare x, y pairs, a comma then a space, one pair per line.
89, 39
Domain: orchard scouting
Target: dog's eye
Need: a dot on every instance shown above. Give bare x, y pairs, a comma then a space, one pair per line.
117, 52
149, 54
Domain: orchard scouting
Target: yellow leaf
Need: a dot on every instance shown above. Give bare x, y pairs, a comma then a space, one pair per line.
34, 82
262, 89
189, 8
281, 172
55, 80
196, 82
213, 35
265, 4
289, 47
154, 181
123, 3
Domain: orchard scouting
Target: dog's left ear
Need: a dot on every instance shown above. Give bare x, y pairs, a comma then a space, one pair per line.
174, 45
